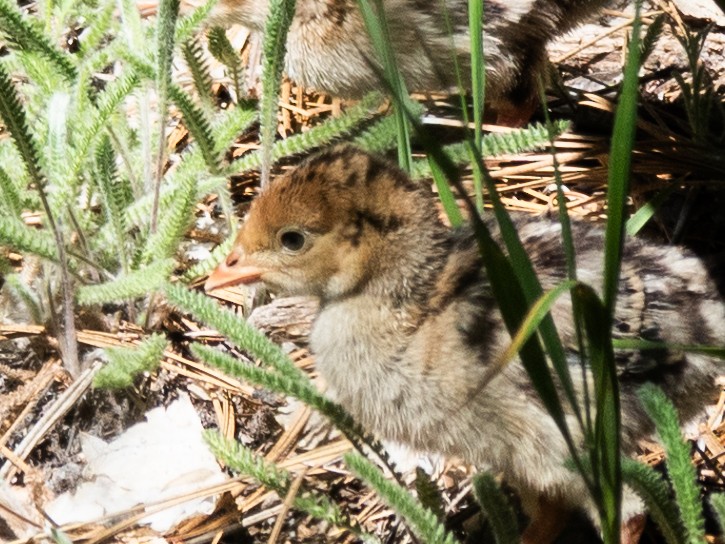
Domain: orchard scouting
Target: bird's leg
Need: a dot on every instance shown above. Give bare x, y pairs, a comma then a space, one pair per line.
546, 522
632, 529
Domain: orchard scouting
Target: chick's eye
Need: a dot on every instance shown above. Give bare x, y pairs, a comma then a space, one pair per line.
292, 240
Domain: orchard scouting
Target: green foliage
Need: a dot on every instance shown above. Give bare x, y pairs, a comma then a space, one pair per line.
139, 283
194, 57
498, 510
274, 49
422, 521
374, 16
235, 329
428, 493
125, 364
222, 49
243, 460
679, 465
198, 125
26, 35
718, 504
657, 496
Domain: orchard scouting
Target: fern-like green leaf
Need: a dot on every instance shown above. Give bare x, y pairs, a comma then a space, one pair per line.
272, 380
657, 496
115, 198
27, 36
318, 136
243, 460
207, 265
198, 125
274, 48
234, 328
498, 510
108, 103
100, 26
428, 493
681, 471
189, 24
533, 137
19, 291
127, 363
11, 200
136, 284
13, 115
23, 239
175, 221
422, 521
233, 122
221, 48
194, 57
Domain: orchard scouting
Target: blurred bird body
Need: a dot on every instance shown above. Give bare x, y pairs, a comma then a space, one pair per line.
328, 47
408, 328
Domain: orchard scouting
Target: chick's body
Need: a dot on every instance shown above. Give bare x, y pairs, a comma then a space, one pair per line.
328, 47
408, 328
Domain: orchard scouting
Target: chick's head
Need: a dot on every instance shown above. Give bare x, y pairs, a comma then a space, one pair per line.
325, 229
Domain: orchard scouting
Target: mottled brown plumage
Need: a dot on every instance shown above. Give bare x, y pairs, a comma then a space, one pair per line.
408, 328
328, 47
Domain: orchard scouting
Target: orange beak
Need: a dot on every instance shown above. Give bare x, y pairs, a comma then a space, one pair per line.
233, 271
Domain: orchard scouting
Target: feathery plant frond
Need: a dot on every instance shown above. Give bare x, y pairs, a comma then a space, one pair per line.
199, 126
317, 136
93, 36
717, 501
21, 238
381, 136
207, 265
221, 48
233, 122
422, 521
497, 508
241, 459
108, 103
13, 115
535, 136
271, 379
682, 473
136, 284
657, 496
19, 291
174, 223
26, 36
165, 33
189, 24
124, 364
115, 197
11, 200
428, 493
274, 49
234, 328
653, 34
194, 57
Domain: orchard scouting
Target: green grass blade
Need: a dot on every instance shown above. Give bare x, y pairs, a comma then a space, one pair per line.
375, 22
620, 162
605, 452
